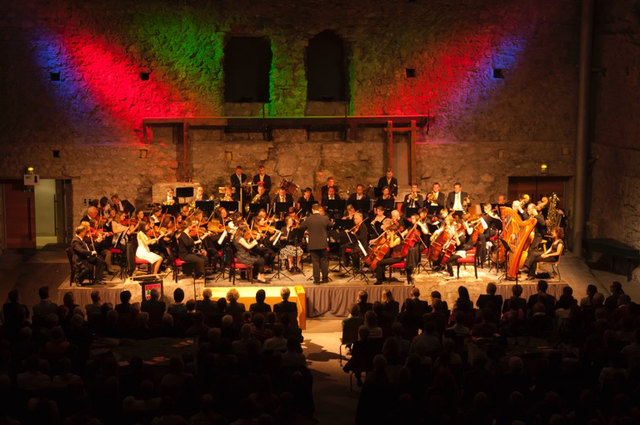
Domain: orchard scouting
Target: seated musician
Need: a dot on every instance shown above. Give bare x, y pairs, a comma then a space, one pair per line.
378, 219
84, 259
398, 220
463, 241
359, 196
394, 242
143, 252
282, 198
538, 231
170, 199
349, 212
91, 215
244, 245
436, 198
262, 196
358, 239
156, 215
305, 202
492, 224
413, 199
265, 238
551, 255
290, 249
229, 195
189, 251
324, 190
200, 195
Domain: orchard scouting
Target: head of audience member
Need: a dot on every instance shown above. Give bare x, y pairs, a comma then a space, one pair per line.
516, 290
206, 294
125, 297
285, 293
232, 295
542, 286
362, 296
491, 288
261, 295
178, 296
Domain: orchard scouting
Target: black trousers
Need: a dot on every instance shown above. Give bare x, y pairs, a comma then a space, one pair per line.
531, 254
197, 260
320, 264
93, 267
538, 258
383, 263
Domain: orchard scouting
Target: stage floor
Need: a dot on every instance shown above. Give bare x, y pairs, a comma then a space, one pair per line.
334, 298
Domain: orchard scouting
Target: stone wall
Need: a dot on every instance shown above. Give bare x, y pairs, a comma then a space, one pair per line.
615, 153
93, 115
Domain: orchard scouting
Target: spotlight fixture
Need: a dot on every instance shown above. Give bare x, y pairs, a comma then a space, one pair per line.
544, 169
143, 153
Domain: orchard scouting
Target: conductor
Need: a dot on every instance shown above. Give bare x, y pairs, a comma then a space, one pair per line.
317, 226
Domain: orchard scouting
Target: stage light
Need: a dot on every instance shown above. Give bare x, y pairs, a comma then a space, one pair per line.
31, 170
143, 153
544, 168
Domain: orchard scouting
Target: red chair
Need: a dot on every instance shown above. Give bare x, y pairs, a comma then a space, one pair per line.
140, 262
422, 265
118, 257
396, 266
470, 258
177, 268
235, 265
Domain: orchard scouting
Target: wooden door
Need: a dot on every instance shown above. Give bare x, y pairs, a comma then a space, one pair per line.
20, 217
537, 187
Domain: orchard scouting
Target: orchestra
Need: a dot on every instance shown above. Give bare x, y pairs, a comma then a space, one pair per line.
365, 231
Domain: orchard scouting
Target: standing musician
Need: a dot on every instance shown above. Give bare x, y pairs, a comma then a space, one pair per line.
239, 183
551, 255
85, 259
104, 208
462, 238
318, 225
358, 233
200, 195
492, 224
143, 252
188, 251
413, 199
393, 255
305, 202
389, 181
244, 245
261, 178
324, 190
455, 199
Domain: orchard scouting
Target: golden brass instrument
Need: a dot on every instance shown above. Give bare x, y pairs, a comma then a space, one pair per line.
553, 218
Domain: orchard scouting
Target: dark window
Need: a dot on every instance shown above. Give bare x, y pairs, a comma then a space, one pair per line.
326, 68
247, 62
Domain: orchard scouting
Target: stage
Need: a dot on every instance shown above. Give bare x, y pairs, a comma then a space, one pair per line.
333, 298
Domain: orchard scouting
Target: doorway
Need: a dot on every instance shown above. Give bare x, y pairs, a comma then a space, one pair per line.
537, 187
401, 159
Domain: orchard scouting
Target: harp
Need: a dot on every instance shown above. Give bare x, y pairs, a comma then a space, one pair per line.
518, 234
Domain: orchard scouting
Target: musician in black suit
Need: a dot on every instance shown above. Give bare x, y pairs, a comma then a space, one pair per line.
538, 232
455, 199
359, 233
361, 198
189, 251
413, 199
438, 199
282, 197
237, 180
122, 205
389, 181
305, 202
324, 190
261, 177
317, 225
84, 259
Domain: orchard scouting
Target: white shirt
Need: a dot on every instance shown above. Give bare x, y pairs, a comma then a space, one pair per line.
457, 203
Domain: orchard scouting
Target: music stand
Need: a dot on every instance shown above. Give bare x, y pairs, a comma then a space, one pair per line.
282, 207
362, 205
387, 204
336, 205
296, 236
230, 206
507, 251
184, 192
254, 208
205, 206
409, 211
171, 209
278, 273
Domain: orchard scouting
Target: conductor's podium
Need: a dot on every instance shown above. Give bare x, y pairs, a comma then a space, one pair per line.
248, 297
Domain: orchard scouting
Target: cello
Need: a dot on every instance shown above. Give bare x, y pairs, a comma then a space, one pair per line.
378, 251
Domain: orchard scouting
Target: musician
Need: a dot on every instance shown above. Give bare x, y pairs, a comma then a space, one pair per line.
261, 178
393, 255
122, 205
378, 219
551, 255
389, 181
200, 195
266, 235
386, 200
324, 190
229, 195
517, 207
464, 242
305, 202
156, 217
437, 197
398, 220
244, 245
91, 216
358, 233
144, 253
290, 249
413, 199
283, 198
84, 259
318, 225
349, 213
262, 196
104, 208
502, 202
188, 250
360, 196
238, 181
455, 199
492, 223
538, 232
170, 199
